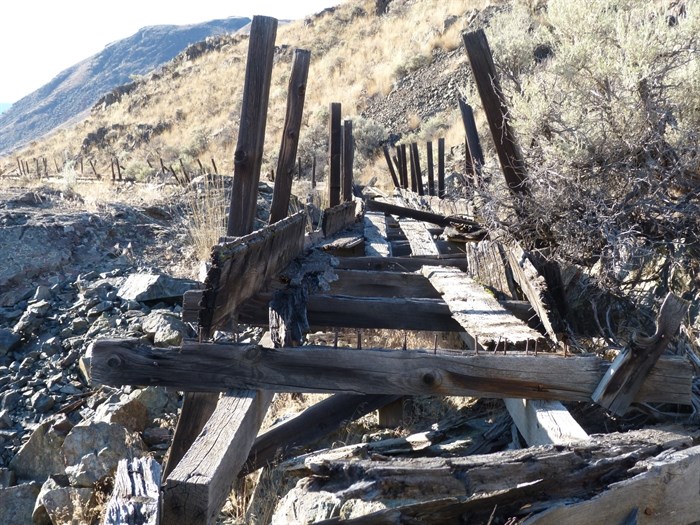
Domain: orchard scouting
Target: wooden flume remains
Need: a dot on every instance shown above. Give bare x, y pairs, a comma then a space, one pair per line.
290, 280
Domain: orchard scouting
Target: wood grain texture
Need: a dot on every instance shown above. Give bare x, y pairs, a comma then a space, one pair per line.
418, 237
135, 499
399, 264
334, 154
337, 218
212, 367
479, 313
544, 422
376, 244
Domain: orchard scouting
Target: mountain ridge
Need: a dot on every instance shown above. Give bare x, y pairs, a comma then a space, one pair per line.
77, 88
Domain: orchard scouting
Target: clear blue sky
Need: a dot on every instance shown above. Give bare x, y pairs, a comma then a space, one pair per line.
41, 38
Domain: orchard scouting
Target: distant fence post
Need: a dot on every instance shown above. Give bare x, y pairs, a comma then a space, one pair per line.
431, 174
296, 94
404, 166
347, 160
251, 135
441, 168
334, 133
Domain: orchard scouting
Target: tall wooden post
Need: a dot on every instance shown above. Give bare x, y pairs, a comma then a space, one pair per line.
313, 172
347, 160
431, 173
247, 158
474, 154
441, 168
334, 143
390, 164
484, 71
415, 160
296, 94
114, 174
404, 166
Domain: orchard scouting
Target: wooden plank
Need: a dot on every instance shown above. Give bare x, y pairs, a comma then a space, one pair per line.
493, 102
418, 237
543, 422
631, 367
361, 283
338, 218
486, 264
534, 287
403, 160
334, 160
217, 367
419, 215
240, 268
399, 264
487, 324
474, 152
329, 311
347, 157
441, 168
431, 169
665, 491
136, 495
390, 165
415, 163
247, 158
197, 488
296, 94
376, 244
310, 425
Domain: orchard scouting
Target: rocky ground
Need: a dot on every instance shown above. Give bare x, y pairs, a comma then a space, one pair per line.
68, 277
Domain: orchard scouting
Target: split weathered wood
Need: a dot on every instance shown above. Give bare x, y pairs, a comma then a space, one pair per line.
474, 152
347, 160
310, 425
665, 490
135, 499
629, 370
487, 265
515, 484
419, 215
218, 367
366, 283
240, 268
534, 287
290, 135
197, 488
544, 422
338, 311
376, 244
486, 323
247, 158
493, 102
418, 237
399, 264
390, 165
334, 154
337, 218
441, 167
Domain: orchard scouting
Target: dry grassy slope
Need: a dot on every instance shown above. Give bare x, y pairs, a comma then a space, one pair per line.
399, 71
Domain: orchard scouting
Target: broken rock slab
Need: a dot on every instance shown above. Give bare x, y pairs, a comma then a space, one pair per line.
17, 503
9, 340
40, 456
165, 327
58, 504
154, 287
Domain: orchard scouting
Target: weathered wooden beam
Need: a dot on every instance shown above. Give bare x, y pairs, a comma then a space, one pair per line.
415, 162
337, 218
486, 323
375, 235
328, 311
334, 144
296, 94
629, 370
441, 167
251, 136
197, 488
419, 237
390, 165
487, 264
347, 160
493, 102
399, 264
431, 169
367, 283
419, 215
240, 268
403, 160
310, 425
136, 495
542, 422
218, 367
474, 152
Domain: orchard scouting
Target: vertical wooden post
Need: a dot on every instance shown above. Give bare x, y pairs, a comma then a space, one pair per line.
414, 183
38, 169
201, 167
347, 160
441, 168
213, 165
404, 166
114, 175
55, 163
182, 165
415, 159
474, 153
299, 168
81, 166
509, 154
389, 163
19, 166
94, 168
251, 135
313, 172
296, 94
431, 174
334, 155
46, 166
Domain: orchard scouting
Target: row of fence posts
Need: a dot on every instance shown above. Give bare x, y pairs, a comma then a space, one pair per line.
400, 168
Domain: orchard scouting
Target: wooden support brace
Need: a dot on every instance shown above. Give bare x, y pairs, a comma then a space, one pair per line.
544, 422
630, 369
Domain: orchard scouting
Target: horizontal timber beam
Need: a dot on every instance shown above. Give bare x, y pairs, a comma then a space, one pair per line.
212, 367
400, 264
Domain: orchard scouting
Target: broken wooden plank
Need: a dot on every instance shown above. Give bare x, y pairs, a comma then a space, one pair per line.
338, 218
487, 265
631, 367
310, 425
197, 488
543, 422
399, 264
328, 311
420, 215
375, 235
136, 495
512, 485
359, 283
664, 491
487, 324
419, 237
240, 268
534, 288
212, 367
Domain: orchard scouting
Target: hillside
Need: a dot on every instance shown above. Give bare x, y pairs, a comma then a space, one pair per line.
77, 88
